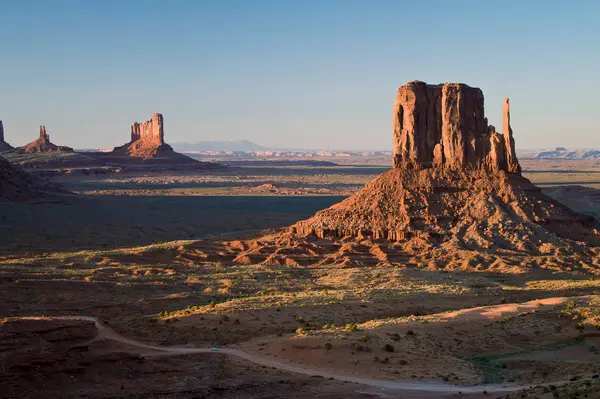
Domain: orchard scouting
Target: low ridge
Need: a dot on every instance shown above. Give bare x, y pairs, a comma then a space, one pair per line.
18, 185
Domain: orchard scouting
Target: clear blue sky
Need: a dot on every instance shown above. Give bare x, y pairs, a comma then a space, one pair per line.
302, 74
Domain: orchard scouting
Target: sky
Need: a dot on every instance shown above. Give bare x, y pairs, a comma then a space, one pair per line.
292, 74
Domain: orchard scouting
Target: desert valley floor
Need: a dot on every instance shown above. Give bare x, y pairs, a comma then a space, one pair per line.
129, 258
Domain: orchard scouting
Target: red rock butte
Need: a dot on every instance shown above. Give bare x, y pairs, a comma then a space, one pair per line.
445, 126
150, 132
455, 182
148, 142
42, 144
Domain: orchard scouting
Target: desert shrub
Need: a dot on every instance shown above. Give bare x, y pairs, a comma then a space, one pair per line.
362, 348
352, 327
328, 345
571, 305
410, 332
388, 347
364, 338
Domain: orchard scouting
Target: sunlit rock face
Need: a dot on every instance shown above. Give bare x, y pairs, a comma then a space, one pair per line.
445, 126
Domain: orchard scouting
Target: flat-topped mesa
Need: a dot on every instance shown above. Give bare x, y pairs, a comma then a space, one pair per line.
4, 146
445, 126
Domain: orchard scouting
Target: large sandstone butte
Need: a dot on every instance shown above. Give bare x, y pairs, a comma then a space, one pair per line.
455, 181
42, 144
4, 146
445, 126
148, 142
455, 198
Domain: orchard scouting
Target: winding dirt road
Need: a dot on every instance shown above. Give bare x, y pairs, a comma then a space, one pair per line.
382, 387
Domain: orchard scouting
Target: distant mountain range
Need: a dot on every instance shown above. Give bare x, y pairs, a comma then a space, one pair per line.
237, 145
560, 153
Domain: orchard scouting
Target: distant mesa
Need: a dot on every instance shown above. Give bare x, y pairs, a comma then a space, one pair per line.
42, 144
4, 146
562, 153
219, 146
148, 142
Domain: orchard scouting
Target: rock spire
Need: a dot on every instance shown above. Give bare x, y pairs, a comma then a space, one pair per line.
42, 144
4, 146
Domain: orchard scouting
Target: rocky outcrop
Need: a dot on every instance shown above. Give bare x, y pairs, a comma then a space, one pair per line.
445, 126
18, 185
4, 146
148, 142
42, 144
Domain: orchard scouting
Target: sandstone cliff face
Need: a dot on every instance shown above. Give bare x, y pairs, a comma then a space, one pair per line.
42, 144
148, 141
445, 126
4, 146
151, 132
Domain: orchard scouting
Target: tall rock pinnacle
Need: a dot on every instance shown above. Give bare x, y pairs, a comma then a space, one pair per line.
509, 143
4, 146
42, 144
445, 126
43, 134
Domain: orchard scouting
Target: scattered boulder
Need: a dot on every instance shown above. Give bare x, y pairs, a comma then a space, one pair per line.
42, 144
